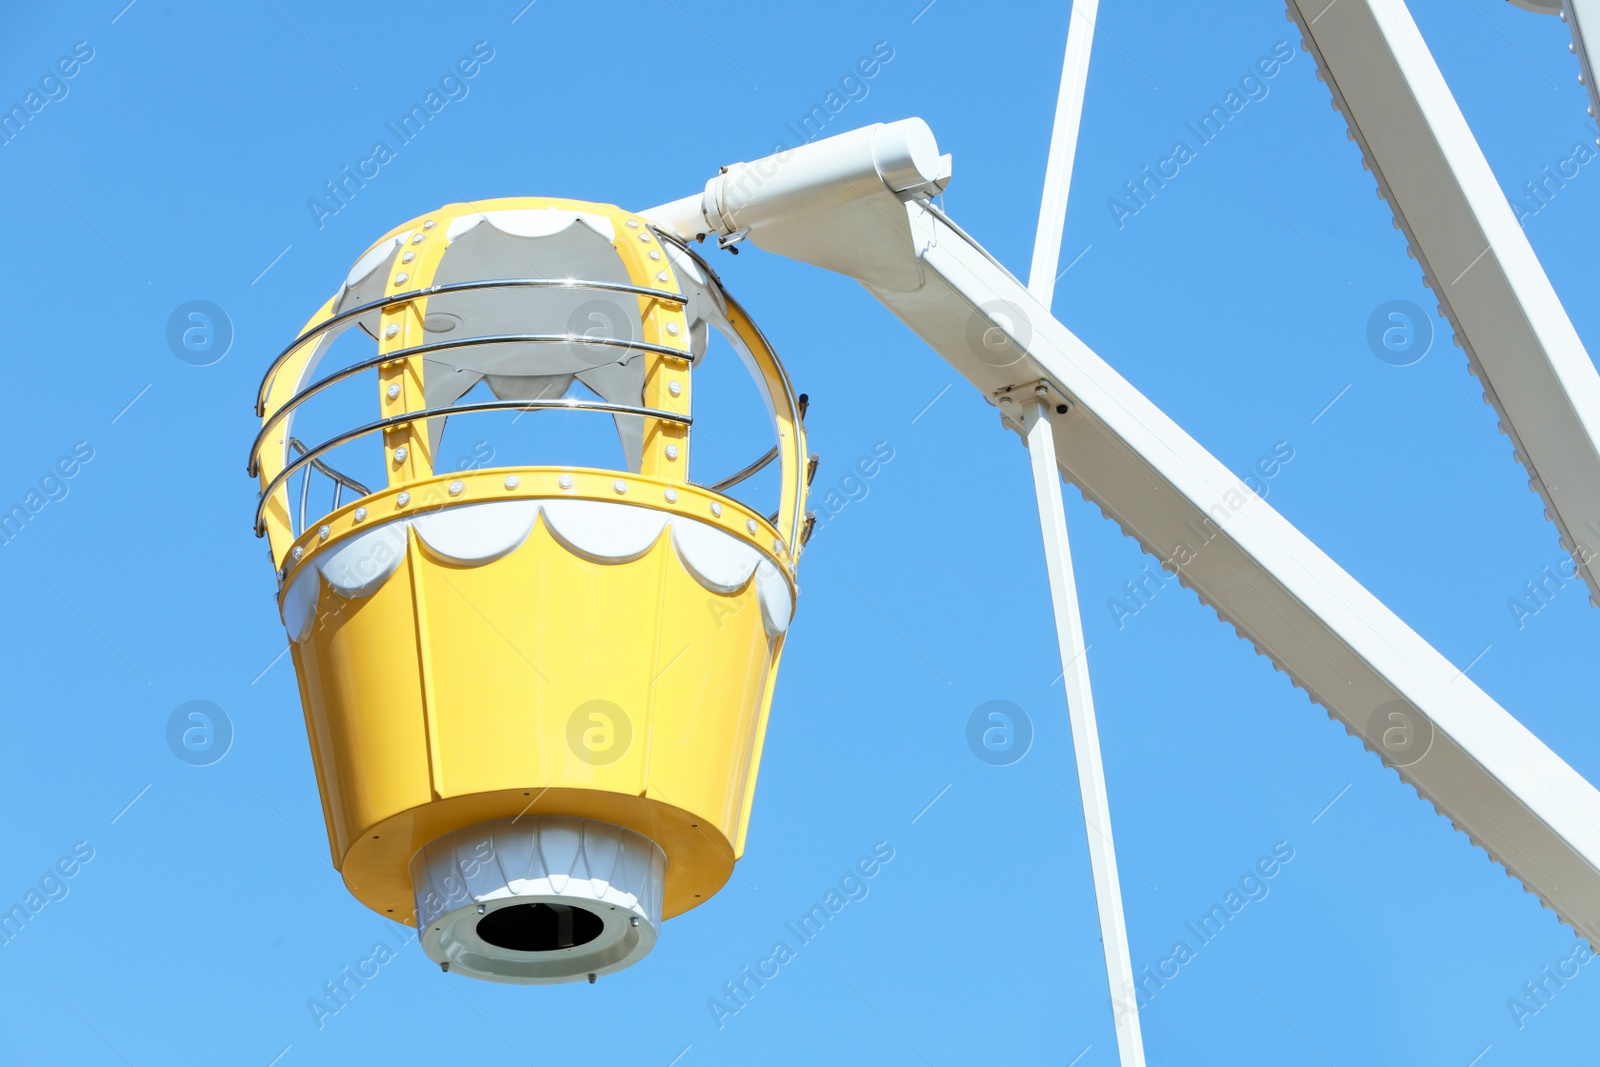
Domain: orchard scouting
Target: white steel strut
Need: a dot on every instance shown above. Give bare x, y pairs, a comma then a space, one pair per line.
1474, 256
1035, 411
858, 204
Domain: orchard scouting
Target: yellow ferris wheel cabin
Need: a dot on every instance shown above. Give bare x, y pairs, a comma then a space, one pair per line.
535, 694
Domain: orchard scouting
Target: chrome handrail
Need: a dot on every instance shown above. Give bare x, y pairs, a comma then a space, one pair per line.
341, 481
278, 481
351, 371
452, 287
339, 477
754, 468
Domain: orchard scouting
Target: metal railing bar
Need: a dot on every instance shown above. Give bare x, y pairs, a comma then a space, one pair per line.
345, 373
272, 487
453, 287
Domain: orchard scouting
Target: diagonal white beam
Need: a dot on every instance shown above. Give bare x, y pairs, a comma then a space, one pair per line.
1474, 255
1063, 150
856, 203
1035, 413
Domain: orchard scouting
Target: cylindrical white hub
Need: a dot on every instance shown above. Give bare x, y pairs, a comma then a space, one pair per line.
538, 900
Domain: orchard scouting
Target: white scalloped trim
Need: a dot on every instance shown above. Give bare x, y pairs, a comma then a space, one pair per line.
377, 255
598, 530
715, 564
532, 222
478, 533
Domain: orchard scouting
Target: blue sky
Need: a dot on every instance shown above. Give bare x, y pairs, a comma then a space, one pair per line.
176, 164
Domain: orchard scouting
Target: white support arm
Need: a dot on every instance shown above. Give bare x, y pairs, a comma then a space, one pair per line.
1035, 414
1475, 257
854, 204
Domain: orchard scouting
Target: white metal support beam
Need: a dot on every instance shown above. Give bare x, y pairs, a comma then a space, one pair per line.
1519, 341
1035, 414
856, 203
1063, 150
1034, 411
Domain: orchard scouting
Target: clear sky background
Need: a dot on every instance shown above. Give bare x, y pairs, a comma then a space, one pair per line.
177, 166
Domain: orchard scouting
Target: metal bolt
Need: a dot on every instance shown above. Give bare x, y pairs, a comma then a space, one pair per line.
394, 391
633, 920
591, 979
403, 499
391, 329
456, 487
620, 486
430, 224
402, 278
445, 967
671, 495
298, 552
644, 236
672, 328
408, 257
400, 454
417, 239
482, 908
323, 532
750, 524
674, 388
512, 481
672, 451
361, 513
654, 254
716, 508
565, 481
661, 275
633, 224
777, 546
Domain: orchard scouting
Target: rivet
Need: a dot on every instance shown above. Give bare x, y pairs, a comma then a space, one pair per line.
777, 546
633, 920
674, 388
672, 328
654, 254
750, 524
482, 908
620, 486
672, 451
456, 487
408, 257
716, 509
661, 275
633, 224
323, 532
430, 224
644, 236
565, 481
361, 513
671, 495
400, 454
392, 329
297, 552
403, 499
402, 278
394, 391
417, 239
512, 481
